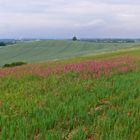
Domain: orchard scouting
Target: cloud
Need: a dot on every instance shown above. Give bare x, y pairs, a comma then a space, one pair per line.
55, 18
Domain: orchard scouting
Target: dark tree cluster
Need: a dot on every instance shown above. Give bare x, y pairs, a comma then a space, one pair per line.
14, 64
74, 38
2, 44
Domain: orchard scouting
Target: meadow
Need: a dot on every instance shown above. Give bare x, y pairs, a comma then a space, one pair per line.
84, 98
36, 51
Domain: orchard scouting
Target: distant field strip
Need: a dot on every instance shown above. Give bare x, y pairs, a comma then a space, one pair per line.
50, 50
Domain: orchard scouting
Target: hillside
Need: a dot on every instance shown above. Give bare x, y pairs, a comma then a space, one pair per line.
86, 98
37, 51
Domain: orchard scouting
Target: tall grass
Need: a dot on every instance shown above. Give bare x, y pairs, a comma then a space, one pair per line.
71, 104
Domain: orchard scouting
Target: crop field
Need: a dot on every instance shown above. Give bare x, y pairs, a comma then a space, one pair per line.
85, 98
37, 51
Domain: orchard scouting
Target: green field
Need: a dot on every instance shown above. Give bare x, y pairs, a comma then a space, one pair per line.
37, 51
82, 98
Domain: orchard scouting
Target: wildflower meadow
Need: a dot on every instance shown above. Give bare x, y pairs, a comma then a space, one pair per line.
86, 99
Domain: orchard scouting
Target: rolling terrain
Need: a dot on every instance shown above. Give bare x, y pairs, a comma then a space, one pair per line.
85, 98
36, 51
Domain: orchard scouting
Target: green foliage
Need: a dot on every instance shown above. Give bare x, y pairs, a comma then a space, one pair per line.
74, 38
14, 64
2, 44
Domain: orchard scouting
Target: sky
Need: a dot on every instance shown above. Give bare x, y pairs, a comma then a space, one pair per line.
58, 19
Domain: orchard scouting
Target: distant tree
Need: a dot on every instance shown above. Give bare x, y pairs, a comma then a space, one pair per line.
14, 64
74, 38
2, 44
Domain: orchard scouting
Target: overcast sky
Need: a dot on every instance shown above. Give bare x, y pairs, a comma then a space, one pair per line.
65, 18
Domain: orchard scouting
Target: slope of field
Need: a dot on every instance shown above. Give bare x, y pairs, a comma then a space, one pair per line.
90, 99
50, 50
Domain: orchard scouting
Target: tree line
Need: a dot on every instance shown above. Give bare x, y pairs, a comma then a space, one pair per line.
2, 44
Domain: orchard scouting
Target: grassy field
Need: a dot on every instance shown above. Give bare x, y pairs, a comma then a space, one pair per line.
88, 98
37, 51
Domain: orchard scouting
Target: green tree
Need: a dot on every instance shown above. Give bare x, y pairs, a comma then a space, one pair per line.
2, 44
74, 38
